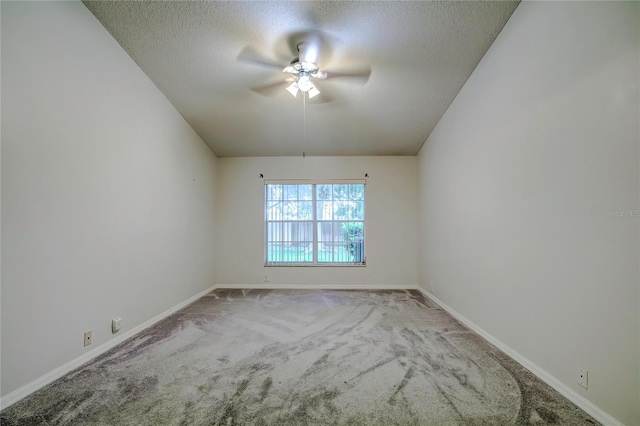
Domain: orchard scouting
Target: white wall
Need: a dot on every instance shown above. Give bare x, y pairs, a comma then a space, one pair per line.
391, 208
107, 193
515, 184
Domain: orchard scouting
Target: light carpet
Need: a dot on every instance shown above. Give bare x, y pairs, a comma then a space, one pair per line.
301, 357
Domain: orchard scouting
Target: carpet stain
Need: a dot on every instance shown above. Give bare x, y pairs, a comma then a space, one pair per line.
548, 416
407, 376
266, 385
241, 388
317, 365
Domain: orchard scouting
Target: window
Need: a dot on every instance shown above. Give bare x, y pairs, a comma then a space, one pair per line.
314, 224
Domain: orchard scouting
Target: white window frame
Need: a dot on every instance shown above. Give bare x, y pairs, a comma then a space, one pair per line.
314, 182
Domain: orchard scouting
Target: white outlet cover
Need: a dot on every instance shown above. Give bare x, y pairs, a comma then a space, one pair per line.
116, 324
87, 338
583, 377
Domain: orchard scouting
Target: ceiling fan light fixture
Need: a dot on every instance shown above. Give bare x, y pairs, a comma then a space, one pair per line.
304, 82
313, 92
293, 89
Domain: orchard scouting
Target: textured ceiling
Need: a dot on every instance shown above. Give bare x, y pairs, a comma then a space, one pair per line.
420, 54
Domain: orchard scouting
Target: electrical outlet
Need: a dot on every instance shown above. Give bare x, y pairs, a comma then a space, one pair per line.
116, 324
266, 278
583, 377
87, 338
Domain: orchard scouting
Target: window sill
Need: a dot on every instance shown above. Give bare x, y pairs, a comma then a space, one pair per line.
320, 265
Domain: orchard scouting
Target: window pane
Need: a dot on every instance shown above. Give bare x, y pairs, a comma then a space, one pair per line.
353, 230
324, 192
356, 212
290, 192
305, 192
341, 210
274, 210
342, 254
303, 231
302, 252
305, 210
297, 210
274, 252
356, 192
273, 233
274, 192
325, 241
340, 192
290, 241
290, 210
325, 252
324, 210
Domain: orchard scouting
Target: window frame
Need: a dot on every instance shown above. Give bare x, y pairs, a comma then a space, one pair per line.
315, 221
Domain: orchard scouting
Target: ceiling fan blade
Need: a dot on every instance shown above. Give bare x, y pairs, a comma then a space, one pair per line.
324, 97
250, 55
360, 75
269, 89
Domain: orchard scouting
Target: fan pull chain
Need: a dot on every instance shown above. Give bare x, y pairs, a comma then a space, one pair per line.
304, 124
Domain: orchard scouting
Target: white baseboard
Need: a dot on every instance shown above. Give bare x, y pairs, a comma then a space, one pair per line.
543, 375
44, 380
318, 286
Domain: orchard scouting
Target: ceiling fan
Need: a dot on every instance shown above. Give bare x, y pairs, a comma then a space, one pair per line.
304, 69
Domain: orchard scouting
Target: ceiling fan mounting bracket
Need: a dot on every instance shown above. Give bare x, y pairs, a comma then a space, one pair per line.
296, 67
